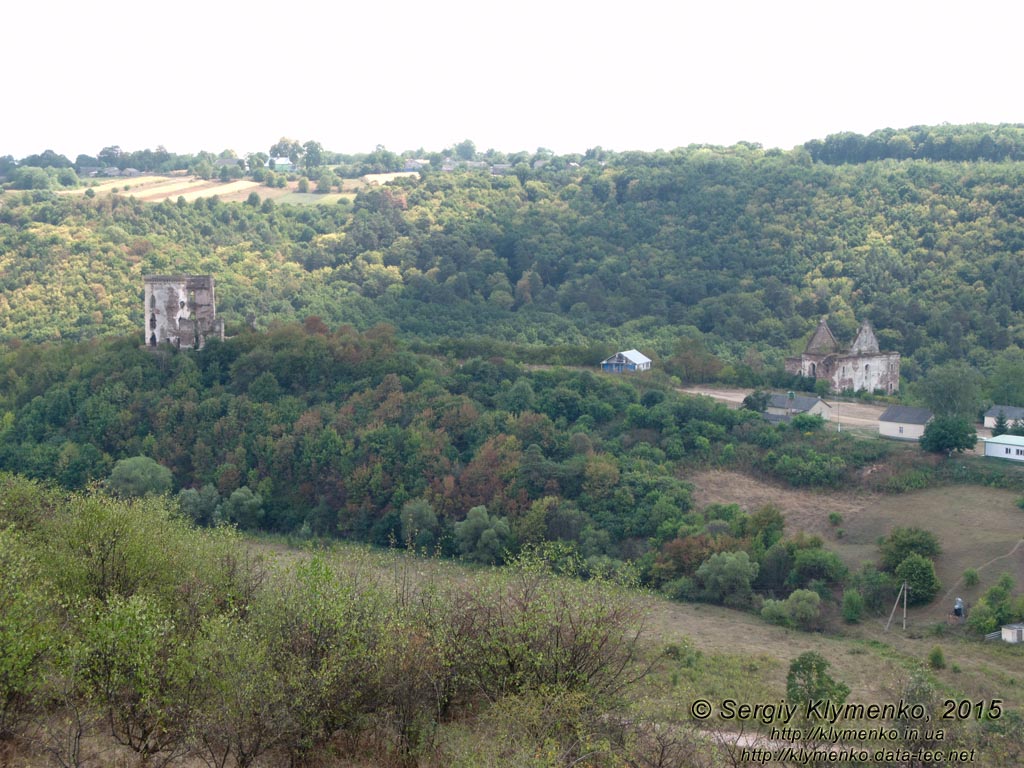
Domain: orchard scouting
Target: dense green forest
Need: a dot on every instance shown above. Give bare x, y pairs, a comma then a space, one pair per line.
379, 382
304, 430
737, 251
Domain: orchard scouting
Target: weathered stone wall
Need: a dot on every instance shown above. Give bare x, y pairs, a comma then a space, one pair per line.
181, 310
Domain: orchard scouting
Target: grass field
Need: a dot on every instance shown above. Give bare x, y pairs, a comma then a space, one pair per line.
156, 189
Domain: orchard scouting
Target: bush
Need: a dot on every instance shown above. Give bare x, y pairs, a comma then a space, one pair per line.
919, 574
970, 577
774, 612
804, 607
902, 542
801, 609
808, 680
936, 659
853, 606
139, 476
483, 538
726, 578
816, 564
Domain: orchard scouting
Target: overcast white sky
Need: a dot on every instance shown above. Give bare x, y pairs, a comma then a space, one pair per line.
565, 75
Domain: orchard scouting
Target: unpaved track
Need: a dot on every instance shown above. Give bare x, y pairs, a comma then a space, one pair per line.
853, 414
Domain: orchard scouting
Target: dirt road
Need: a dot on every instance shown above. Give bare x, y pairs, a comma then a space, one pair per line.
844, 413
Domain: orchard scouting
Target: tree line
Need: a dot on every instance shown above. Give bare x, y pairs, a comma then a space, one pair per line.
717, 262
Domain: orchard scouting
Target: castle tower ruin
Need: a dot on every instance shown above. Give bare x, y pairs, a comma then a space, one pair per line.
181, 310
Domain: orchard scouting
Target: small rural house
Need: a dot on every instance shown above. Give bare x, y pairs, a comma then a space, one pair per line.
782, 405
281, 164
630, 360
1005, 447
1013, 633
1011, 413
903, 422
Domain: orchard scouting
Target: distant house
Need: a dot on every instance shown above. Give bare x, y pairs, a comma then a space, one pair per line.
1005, 447
1013, 633
281, 164
782, 405
229, 162
630, 360
1011, 413
903, 422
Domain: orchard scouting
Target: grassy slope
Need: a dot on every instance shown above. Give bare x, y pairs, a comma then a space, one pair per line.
745, 657
977, 526
731, 654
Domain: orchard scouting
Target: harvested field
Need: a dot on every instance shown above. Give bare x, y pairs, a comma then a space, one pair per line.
222, 190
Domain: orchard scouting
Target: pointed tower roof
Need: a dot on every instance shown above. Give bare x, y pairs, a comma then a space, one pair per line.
822, 342
866, 343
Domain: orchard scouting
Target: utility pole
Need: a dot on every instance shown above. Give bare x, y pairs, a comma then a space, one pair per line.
902, 594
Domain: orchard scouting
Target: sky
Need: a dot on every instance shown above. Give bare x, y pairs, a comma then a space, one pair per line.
558, 74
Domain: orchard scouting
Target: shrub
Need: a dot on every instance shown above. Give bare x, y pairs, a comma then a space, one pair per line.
808, 680
919, 574
835, 518
139, 476
902, 542
970, 577
814, 564
483, 538
936, 659
801, 609
804, 607
726, 578
853, 606
774, 612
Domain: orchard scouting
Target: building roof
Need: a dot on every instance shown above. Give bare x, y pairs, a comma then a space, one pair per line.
629, 356
866, 342
1014, 440
1010, 412
1013, 626
822, 342
635, 357
906, 414
799, 403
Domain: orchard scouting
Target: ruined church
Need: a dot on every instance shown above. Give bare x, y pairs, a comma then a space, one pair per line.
861, 367
181, 311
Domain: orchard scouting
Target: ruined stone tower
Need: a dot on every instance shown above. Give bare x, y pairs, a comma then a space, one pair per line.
180, 310
862, 367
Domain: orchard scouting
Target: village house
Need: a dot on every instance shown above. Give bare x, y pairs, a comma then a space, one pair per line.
903, 422
781, 407
630, 360
1011, 413
1005, 447
863, 367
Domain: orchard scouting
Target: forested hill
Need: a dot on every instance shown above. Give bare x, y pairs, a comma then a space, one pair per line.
740, 248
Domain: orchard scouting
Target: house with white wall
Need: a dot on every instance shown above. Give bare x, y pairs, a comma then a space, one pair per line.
1005, 447
1011, 414
783, 405
903, 422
